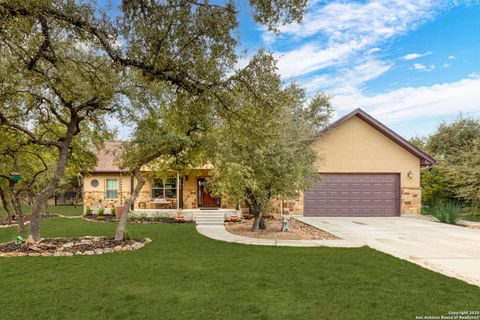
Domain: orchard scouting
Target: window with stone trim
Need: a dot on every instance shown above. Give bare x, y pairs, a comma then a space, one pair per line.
164, 188
111, 188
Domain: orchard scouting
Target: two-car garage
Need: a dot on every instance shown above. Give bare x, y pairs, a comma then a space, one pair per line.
366, 170
354, 194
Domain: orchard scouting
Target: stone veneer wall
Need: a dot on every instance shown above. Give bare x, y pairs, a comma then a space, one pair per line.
290, 206
96, 200
410, 200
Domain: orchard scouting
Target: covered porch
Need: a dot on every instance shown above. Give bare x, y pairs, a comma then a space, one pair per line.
177, 193
188, 214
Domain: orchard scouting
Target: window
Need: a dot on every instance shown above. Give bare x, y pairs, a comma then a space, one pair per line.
112, 189
164, 188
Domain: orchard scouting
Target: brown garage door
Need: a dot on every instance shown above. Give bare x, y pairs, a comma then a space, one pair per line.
354, 194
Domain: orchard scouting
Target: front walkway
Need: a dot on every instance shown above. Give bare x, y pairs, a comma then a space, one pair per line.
218, 232
451, 250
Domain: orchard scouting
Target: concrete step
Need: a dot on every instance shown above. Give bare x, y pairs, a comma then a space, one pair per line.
210, 218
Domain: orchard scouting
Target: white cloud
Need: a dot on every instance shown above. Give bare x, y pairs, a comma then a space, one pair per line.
451, 57
348, 79
422, 67
419, 66
413, 56
336, 33
413, 103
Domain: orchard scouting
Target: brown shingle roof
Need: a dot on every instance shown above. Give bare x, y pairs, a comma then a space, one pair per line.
108, 156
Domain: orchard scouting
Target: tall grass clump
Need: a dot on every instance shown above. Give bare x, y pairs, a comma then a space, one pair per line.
449, 212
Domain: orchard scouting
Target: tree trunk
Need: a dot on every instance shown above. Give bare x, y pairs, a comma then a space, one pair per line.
6, 206
259, 221
41, 198
120, 233
17, 206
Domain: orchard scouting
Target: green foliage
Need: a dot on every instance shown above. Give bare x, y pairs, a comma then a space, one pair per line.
267, 155
128, 235
66, 66
449, 212
112, 211
101, 211
88, 211
472, 214
464, 172
451, 139
436, 186
456, 176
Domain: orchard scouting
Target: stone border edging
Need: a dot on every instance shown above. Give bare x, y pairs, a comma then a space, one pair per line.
13, 225
137, 245
218, 232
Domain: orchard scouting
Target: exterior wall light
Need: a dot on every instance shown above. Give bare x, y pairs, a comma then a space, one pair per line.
410, 174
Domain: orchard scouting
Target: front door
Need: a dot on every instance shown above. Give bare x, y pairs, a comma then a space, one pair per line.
205, 198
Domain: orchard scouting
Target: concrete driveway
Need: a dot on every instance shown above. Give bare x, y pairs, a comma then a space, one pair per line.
450, 250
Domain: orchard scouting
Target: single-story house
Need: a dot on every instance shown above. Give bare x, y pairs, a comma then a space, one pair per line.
366, 168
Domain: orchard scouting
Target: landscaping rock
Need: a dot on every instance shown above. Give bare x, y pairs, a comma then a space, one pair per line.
60, 247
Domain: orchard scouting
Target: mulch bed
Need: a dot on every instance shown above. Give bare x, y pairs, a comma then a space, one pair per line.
146, 220
70, 246
298, 230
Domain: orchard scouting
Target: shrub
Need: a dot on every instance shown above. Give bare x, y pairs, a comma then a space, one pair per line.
127, 235
112, 211
449, 212
89, 211
101, 211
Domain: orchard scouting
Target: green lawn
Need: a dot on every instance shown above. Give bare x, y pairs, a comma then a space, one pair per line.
183, 275
64, 210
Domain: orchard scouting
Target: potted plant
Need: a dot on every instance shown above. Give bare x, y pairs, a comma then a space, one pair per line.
118, 212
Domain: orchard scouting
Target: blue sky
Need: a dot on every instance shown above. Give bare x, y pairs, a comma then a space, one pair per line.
410, 63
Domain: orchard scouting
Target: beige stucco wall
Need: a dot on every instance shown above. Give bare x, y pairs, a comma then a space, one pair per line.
355, 146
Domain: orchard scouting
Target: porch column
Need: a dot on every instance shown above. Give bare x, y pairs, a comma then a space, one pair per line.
132, 186
178, 190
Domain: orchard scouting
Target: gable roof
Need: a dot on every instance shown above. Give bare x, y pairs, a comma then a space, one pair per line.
107, 157
425, 159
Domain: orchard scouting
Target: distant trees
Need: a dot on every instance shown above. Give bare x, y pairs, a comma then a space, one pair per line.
455, 177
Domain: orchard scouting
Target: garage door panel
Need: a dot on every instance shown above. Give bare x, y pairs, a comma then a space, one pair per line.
354, 195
